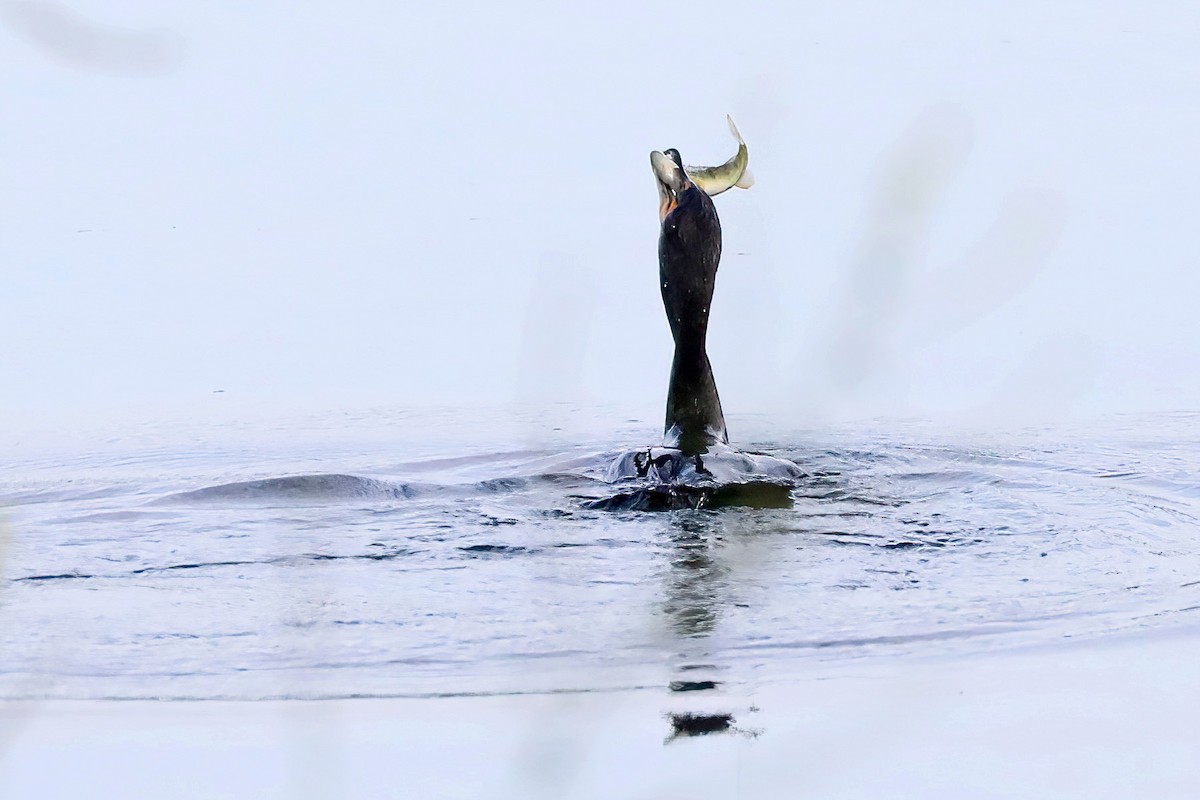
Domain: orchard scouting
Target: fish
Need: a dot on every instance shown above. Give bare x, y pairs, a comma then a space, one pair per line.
734, 172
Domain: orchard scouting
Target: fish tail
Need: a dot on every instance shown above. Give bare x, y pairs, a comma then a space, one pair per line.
733, 129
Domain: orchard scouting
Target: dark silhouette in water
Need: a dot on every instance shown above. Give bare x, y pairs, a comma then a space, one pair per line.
695, 467
689, 251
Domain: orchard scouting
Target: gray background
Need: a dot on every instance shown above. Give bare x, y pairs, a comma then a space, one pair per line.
963, 211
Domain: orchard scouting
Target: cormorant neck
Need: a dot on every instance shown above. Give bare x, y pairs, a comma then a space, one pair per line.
689, 250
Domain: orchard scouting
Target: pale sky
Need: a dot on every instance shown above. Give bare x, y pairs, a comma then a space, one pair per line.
961, 209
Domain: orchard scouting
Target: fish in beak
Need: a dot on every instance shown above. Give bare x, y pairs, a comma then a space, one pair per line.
734, 172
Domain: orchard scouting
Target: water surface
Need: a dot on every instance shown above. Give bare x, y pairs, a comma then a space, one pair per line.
404, 554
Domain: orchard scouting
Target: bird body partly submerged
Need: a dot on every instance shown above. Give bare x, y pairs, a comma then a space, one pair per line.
695, 467
689, 252
666, 479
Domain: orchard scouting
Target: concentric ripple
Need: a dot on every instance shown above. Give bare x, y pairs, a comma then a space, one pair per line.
150, 575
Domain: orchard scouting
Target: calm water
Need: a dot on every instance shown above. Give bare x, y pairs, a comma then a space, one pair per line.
394, 554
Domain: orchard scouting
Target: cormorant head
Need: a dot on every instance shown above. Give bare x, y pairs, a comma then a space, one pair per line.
672, 180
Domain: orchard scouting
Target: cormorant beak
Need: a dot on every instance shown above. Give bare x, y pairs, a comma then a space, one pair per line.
671, 181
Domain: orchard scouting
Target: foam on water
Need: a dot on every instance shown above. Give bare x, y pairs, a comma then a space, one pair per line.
320, 568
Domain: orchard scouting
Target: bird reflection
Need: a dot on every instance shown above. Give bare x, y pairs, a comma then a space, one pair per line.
696, 581
696, 592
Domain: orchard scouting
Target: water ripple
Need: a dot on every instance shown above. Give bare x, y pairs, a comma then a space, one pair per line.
522, 570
